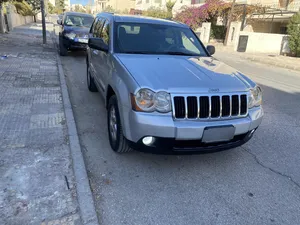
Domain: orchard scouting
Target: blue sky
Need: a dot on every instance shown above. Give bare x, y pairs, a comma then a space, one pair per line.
83, 2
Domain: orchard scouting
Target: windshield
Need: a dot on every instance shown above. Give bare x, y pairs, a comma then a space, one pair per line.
143, 38
80, 21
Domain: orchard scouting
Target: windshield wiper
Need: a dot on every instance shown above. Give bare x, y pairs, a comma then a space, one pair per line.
180, 53
138, 52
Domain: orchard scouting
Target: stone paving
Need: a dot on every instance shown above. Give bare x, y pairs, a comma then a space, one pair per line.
37, 180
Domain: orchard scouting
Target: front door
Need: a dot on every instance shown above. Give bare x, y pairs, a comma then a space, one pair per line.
94, 53
102, 65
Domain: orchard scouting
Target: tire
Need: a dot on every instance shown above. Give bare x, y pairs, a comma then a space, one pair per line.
118, 143
63, 51
90, 80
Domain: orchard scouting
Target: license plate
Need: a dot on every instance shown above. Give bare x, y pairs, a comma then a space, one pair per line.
82, 40
218, 134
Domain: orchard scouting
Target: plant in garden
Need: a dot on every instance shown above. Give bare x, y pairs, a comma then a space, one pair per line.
211, 10
156, 12
194, 16
293, 30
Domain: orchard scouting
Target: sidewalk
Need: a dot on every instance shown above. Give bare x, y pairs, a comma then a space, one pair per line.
37, 179
275, 60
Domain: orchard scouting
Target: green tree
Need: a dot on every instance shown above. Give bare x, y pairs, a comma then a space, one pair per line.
51, 8
293, 30
59, 6
110, 9
156, 12
36, 7
79, 9
170, 5
23, 8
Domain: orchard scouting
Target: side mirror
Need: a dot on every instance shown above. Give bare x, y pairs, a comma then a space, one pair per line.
59, 22
211, 49
98, 43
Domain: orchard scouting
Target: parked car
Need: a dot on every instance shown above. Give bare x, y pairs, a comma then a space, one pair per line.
163, 90
74, 31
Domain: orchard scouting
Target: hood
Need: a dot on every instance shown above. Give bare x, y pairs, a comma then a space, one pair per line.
182, 74
82, 31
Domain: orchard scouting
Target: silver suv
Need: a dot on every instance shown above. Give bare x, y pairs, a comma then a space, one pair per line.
164, 92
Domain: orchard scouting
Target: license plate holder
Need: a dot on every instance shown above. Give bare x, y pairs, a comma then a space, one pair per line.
218, 134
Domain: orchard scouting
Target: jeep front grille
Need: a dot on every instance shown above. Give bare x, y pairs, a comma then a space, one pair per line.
210, 107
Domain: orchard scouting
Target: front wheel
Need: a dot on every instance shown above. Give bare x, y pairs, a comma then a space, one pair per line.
90, 80
117, 141
63, 51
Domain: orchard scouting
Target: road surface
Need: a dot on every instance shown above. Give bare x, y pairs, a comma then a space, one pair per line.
254, 184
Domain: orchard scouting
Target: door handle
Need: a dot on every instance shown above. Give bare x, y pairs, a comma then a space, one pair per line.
95, 52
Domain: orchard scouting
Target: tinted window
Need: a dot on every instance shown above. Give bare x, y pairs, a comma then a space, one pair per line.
105, 33
142, 38
98, 27
79, 21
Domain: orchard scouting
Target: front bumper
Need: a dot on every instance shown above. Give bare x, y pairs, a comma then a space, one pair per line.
181, 133
73, 44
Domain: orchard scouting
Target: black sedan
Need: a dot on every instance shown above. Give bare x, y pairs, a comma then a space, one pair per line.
74, 31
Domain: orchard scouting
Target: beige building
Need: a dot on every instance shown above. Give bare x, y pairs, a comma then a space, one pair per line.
121, 5
275, 19
145, 4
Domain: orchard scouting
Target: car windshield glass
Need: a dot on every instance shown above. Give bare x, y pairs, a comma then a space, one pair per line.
80, 21
143, 38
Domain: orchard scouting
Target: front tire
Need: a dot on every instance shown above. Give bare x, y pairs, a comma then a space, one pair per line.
63, 51
117, 140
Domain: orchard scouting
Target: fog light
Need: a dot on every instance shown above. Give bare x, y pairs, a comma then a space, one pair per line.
148, 140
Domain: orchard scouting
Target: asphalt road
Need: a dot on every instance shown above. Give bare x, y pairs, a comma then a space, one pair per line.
254, 184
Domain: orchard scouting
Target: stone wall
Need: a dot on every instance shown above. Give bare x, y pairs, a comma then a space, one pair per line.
266, 43
14, 19
204, 32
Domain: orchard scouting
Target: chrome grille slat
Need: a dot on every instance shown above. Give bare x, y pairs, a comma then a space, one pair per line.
209, 107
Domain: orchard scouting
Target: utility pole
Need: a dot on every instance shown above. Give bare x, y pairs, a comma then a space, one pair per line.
229, 23
43, 21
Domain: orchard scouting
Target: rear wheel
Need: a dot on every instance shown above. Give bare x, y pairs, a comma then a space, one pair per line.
90, 80
115, 131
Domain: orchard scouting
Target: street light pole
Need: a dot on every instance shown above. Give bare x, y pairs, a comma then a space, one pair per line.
229, 22
43, 21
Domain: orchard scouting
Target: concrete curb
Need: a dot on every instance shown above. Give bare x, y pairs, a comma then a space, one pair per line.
263, 60
84, 193
273, 63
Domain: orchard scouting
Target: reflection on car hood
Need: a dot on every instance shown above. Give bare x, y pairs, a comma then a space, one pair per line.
181, 74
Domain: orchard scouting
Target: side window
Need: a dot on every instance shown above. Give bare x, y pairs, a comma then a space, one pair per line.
98, 27
93, 26
105, 33
189, 43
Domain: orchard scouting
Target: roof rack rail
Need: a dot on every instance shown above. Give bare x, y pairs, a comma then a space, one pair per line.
108, 12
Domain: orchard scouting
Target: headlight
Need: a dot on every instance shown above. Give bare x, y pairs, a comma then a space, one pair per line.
70, 35
162, 102
148, 101
255, 97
